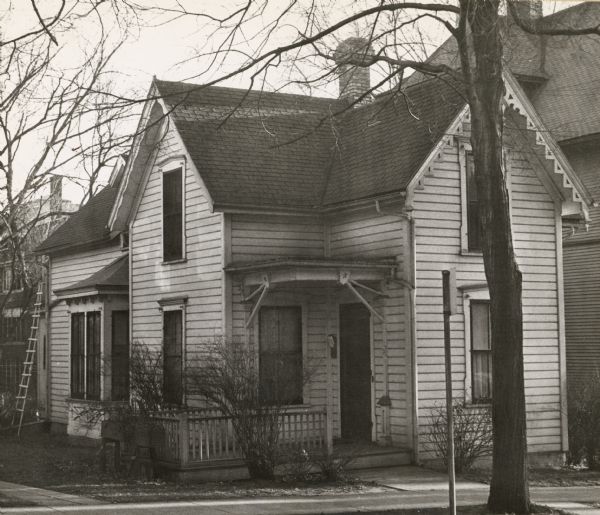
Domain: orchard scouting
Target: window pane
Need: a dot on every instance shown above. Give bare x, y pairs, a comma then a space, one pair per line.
120, 356
473, 226
480, 325
77, 355
93, 356
172, 215
280, 361
173, 365
481, 355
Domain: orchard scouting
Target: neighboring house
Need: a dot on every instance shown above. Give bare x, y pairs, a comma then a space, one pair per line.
321, 244
19, 282
560, 76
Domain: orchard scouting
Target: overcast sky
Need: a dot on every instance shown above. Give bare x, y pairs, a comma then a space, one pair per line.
165, 45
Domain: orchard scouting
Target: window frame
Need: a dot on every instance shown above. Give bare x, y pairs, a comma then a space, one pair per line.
171, 167
85, 366
480, 295
166, 307
302, 350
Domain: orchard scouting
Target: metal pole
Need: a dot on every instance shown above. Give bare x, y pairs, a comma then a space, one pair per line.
449, 411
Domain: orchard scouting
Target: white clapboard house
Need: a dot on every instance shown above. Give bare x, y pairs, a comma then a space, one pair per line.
321, 236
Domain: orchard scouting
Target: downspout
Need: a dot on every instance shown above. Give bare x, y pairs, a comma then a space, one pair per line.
48, 268
412, 316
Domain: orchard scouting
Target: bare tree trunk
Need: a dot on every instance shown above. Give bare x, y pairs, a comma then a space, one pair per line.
482, 60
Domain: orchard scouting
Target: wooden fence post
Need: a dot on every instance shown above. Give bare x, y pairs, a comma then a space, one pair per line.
184, 438
329, 431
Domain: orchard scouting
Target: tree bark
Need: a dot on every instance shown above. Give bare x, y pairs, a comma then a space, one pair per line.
481, 59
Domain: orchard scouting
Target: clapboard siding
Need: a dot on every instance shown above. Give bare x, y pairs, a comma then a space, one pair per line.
373, 235
64, 271
199, 277
256, 238
582, 309
437, 213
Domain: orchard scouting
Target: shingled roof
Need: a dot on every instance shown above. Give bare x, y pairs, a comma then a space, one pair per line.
85, 227
566, 67
113, 278
298, 152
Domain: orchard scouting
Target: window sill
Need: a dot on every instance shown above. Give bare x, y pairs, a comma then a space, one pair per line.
476, 405
474, 253
174, 261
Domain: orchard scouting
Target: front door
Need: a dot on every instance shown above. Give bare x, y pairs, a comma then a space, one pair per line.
355, 371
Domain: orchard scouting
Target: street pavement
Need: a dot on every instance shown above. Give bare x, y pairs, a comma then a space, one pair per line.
404, 487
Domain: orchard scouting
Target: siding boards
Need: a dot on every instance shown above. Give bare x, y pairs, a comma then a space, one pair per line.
437, 232
582, 306
199, 277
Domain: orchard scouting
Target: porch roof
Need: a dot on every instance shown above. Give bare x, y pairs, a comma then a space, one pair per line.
294, 269
112, 279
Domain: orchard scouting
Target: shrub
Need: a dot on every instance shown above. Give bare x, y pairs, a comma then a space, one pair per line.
584, 423
334, 466
472, 434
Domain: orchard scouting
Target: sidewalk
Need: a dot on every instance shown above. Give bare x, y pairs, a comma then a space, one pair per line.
406, 487
41, 497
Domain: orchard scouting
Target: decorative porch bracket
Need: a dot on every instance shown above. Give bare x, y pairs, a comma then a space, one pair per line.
262, 289
345, 279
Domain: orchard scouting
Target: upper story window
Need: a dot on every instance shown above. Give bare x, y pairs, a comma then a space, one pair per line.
8, 280
472, 206
481, 351
173, 208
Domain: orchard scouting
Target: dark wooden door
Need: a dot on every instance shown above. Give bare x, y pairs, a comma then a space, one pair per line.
355, 371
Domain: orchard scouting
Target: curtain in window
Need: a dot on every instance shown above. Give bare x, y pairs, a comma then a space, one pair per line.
172, 357
172, 215
280, 360
481, 355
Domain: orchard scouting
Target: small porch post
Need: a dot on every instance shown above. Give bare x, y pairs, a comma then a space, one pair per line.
328, 358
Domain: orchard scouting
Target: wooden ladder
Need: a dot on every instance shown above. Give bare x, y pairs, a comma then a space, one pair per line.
29, 360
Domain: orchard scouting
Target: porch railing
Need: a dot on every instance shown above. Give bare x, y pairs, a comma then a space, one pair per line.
205, 435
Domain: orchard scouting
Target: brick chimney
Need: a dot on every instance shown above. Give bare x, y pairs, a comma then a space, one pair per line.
352, 57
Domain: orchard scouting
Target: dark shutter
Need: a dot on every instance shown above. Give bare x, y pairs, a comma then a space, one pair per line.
473, 225
78, 355
120, 356
280, 360
173, 362
93, 355
172, 215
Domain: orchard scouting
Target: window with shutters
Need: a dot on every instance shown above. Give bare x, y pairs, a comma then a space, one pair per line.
173, 227
86, 355
280, 354
173, 356
481, 352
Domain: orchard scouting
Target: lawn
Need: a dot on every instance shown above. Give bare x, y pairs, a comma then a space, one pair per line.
64, 464
60, 463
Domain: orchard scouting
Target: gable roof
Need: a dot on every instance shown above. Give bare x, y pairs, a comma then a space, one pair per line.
567, 69
86, 227
292, 151
113, 278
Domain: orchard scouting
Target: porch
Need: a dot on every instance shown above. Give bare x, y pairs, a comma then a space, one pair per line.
200, 443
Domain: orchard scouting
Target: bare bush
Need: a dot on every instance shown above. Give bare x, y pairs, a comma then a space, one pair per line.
584, 423
227, 377
472, 434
